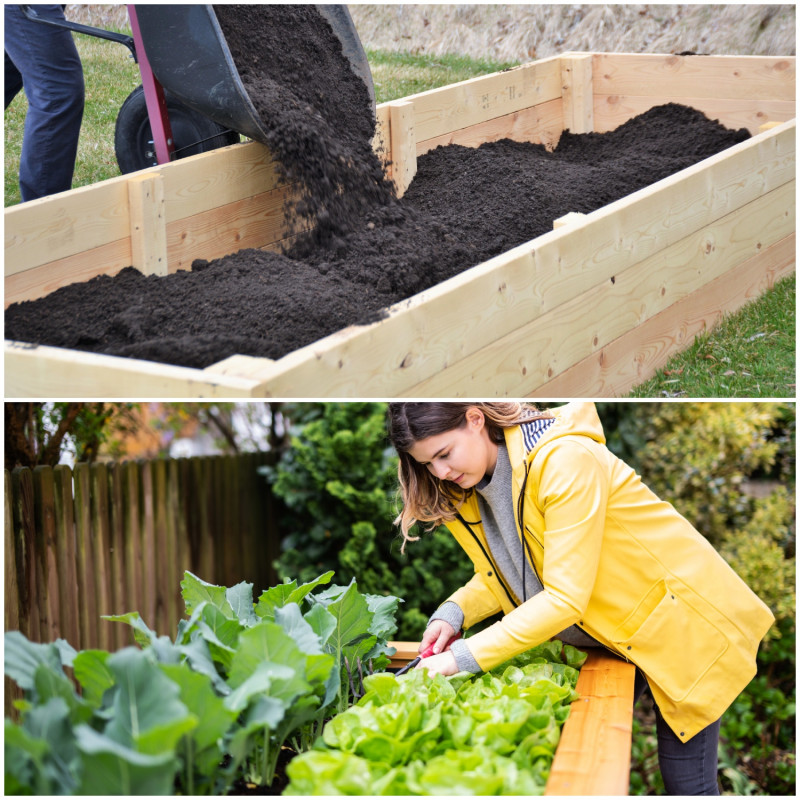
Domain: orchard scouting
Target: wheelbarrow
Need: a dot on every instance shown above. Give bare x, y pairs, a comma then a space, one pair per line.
191, 99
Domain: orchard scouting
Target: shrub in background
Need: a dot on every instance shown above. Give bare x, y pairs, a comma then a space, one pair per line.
338, 482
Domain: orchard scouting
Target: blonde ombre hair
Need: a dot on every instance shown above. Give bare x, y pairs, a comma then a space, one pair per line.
426, 498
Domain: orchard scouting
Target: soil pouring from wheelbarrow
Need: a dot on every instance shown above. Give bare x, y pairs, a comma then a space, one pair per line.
190, 57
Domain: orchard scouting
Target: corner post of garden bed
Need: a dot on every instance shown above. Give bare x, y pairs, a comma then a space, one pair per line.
577, 94
146, 210
403, 144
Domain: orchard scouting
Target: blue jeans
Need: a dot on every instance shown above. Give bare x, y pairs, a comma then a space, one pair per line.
687, 768
44, 61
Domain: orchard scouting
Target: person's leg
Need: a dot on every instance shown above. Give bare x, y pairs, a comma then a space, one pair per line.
12, 80
52, 77
688, 768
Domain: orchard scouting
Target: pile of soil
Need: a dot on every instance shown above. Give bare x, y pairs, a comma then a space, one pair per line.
464, 206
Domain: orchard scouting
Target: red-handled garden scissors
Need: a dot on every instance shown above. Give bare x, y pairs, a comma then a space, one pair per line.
426, 653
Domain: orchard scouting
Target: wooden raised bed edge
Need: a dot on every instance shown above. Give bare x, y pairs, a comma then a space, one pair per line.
593, 756
588, 310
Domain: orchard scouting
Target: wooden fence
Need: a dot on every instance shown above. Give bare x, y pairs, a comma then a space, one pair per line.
112, 538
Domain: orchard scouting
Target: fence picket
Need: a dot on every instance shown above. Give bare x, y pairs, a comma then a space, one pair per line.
101, 546
66, 554
46, 565
24, 537
116, 554
134, 561
150, 599
87, 599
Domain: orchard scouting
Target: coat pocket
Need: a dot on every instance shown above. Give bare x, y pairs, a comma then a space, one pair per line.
672, 642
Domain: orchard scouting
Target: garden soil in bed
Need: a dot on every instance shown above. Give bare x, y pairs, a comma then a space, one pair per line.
464, 206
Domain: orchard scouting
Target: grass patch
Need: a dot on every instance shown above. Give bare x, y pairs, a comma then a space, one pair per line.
751, 353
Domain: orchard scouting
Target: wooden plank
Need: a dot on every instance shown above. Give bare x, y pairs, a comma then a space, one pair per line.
25, 533
148, 223
638, 354
201, 494
594, 753
132, 526
250, 222
217, 178
732, 77
11, 561
162, 585
46, 548
443, 325
116, 553
610, 111
65, 224
572, 218
87, 597
459, 105
67, 555
41, 371
101, 545
542, 124
406, 651
175, 531
577, 95
39, 281
403, 144
150, 609
575, 329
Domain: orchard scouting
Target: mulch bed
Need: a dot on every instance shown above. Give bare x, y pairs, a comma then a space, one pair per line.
369, 250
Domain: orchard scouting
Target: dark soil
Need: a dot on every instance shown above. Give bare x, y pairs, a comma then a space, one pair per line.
370, 250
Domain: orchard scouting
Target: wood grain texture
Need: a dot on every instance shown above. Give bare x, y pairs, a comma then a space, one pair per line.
594, 754
638, 354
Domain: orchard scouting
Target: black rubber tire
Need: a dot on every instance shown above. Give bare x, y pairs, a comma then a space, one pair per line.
133, 138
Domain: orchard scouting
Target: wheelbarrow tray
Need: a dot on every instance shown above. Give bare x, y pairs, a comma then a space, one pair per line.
190, 58
589, 309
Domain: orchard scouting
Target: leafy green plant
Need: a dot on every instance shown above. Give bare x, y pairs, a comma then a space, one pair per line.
197, 713
412, 735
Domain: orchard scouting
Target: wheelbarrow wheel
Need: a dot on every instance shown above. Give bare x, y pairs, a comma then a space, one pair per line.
133, 137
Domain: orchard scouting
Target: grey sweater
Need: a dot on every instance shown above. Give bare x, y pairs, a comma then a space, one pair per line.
497, 514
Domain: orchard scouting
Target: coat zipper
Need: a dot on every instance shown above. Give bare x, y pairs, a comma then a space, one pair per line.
488, 557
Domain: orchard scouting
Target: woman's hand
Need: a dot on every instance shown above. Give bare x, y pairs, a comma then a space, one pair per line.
442, 664
438, 633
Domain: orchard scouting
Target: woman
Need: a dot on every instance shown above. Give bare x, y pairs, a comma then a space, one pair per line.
602, 561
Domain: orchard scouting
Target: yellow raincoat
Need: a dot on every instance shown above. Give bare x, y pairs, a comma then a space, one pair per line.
623, 565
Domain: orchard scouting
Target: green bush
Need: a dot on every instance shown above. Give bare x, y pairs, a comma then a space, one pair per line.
338, 483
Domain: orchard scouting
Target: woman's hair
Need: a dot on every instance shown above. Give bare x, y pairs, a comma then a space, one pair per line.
425, 497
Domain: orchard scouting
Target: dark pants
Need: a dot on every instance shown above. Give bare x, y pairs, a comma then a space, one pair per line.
44, 61
686, 767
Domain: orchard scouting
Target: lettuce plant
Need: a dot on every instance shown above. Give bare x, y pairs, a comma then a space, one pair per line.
412, 735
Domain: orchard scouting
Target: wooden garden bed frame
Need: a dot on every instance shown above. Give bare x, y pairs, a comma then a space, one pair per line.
589, 309
593, 756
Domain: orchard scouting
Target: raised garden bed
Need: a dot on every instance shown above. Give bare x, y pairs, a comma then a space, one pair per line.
593, 756
591, 308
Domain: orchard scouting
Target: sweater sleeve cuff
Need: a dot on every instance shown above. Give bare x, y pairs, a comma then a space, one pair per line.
464, 659
451, 613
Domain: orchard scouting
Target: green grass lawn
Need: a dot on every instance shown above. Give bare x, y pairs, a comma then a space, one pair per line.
750, 354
